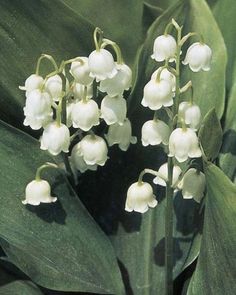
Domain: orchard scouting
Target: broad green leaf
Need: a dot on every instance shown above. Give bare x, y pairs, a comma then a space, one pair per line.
216, 267
210, 135
28, 29
20, 288
58, 245
209, 87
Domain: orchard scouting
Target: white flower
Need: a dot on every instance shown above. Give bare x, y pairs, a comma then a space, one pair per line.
183, 143
198, 57
31, 83
69, 108
102, 65
80, 71
155, 132
78, 161
78, 91
93, 149
193, 185
139, 197
53, 86
165, 75
191, 114
157, 94
164, 48
120, 82
121, 135
37, 109
55, 138
85, 114
38, 191
113, 109
163, 175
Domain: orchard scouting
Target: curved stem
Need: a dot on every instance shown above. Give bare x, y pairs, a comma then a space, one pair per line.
145, 171
116, 49
97, 40
41, 168
48, 57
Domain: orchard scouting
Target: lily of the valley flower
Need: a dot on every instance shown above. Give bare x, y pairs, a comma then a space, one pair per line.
85, 114
198, 57
163, 175
38, 191
102, 65
157, 94
53, 86
113, 110
190, 113
93, 149
164, 48
155, 132
32, 82
183, 143
193, 185
78, 91
120, 82
121, 135
55, 138
165, 75
80, 71
140, 197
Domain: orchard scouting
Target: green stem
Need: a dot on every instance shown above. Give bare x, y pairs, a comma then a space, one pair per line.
97, 40
116, 49
41, 168
48, 57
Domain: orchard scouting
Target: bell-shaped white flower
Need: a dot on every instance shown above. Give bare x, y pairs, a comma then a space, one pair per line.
193, 185
69, 107
190, 113
78, 161
165, 75
183, 143
93, 149
55, 138
155, 132
140, 197
102, 65
120, 82
157, 94
78, 91
164, 48
113, 109
85, 114
121, 135
53, 86
198, 57
162, 178
31, 83
38, 191
80, 71
37, 109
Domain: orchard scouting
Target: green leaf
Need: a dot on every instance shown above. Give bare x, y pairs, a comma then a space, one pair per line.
27, 29
210, 135
59, 246
209, 87
216, 267
20, 288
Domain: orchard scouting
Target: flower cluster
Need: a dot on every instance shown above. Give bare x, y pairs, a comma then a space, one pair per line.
179, 134
71, 105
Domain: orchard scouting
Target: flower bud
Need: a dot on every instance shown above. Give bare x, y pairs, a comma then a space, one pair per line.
113, 110
53, 86
32, 82
85, 114
94, 150
38, 191
55, 138
80, 71
155, 132
121, 135
120, 82
78, 161
164, 48
163, 175
198, 57
139, 197
78, 91
183, 143
193, 185
165, 75
157, 94
191, 114
102, 65
37, 109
